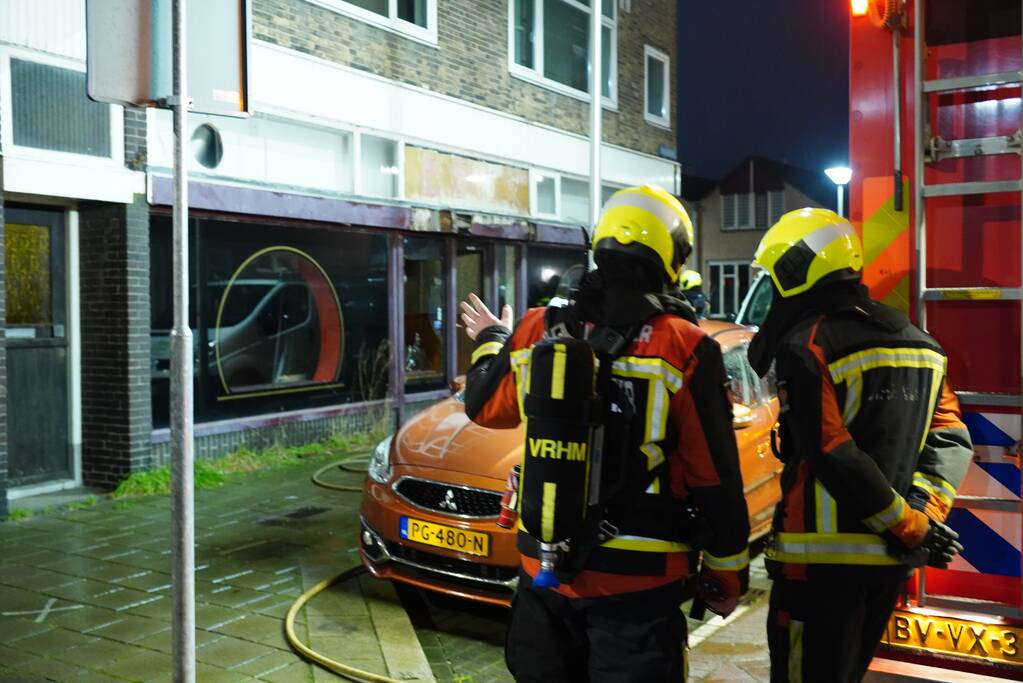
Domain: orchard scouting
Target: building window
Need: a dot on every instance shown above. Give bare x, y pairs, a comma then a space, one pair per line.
746, 211
378, 167
565, 198
50, 112
776, 202
545, 193
424, 314
657, 74
575, 201
550, 44
414, 18
729, 282
283, 318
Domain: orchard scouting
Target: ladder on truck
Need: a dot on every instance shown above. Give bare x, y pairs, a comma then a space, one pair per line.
930, 149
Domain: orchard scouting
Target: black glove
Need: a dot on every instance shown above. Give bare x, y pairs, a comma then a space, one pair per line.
939, 546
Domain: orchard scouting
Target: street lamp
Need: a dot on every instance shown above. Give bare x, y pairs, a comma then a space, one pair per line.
840, 176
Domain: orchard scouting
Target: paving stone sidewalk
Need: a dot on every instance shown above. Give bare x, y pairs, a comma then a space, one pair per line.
85, 594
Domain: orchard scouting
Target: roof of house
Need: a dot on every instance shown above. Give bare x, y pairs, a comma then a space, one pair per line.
767, 175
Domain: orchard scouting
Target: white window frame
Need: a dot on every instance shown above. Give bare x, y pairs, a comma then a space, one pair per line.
751, 225
717, 291
357, 164
391, 22
535, 75
7, 146
535, 176
659, 121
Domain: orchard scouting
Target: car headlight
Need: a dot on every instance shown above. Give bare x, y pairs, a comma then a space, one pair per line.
380, 462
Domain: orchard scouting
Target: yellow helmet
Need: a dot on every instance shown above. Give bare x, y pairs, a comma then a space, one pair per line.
647, 222
808, 245
689, 279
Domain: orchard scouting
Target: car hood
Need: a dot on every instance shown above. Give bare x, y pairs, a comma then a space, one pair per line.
442, 437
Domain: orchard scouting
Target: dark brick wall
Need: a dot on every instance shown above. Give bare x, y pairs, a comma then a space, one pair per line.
116, 414
471, 60
135, 138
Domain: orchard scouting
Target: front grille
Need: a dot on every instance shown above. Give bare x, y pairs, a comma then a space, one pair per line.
487, 572
438, 497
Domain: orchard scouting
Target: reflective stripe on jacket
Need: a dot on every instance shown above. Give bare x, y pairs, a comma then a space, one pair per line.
678, 384
870, 433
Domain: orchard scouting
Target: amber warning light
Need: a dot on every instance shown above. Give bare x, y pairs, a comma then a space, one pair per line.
860, 7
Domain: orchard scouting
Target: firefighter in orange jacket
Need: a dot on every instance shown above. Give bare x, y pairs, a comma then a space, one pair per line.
619, 618
873, 447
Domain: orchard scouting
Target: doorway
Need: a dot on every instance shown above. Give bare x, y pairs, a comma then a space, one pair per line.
38, 443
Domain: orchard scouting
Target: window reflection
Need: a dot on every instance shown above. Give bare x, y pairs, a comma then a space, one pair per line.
424, 313
549, 269
469, 262
277, 323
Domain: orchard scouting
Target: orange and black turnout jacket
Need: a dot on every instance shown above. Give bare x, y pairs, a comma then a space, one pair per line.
871, 438
678, 384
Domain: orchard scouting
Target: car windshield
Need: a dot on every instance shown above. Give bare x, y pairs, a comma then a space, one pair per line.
758, 302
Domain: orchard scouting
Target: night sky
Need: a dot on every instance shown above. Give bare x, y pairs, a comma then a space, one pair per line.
764, 77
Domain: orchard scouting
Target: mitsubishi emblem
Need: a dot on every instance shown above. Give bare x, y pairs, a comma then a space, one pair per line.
449, 501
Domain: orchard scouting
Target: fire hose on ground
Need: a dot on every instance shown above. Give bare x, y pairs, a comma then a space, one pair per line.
350, 464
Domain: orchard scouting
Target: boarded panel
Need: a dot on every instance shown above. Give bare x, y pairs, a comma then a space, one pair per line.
464, 183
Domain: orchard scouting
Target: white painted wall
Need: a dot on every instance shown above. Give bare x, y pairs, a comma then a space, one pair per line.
298, 85
53, 26
311, 113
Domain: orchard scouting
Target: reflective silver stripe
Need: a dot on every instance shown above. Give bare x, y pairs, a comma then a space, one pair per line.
872, 358
822, 237
841, 548
662, 211
853, 398
729, 563
827, 515
888, 517
795, 651
649, 368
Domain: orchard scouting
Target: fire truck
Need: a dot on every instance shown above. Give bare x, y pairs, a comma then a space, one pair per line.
935, 122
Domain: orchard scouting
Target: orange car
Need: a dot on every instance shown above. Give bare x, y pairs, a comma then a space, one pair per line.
433, 493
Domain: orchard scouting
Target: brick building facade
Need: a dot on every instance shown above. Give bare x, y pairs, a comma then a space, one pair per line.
393, 163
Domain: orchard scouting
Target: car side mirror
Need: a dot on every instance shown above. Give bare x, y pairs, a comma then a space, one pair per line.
742, 416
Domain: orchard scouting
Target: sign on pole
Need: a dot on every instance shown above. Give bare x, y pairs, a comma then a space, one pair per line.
129, 53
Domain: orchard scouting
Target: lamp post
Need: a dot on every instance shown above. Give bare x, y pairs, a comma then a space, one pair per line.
840, 176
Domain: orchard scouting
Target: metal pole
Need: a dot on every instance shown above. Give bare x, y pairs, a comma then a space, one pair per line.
1020, 331
919, 205
841, 200
897, 114
396, 326
596, 108
182, 494
919, 201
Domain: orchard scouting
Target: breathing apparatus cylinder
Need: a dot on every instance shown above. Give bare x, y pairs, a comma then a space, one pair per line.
560, 408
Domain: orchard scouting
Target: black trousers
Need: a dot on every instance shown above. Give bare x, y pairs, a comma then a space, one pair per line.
827, 631
630, 637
